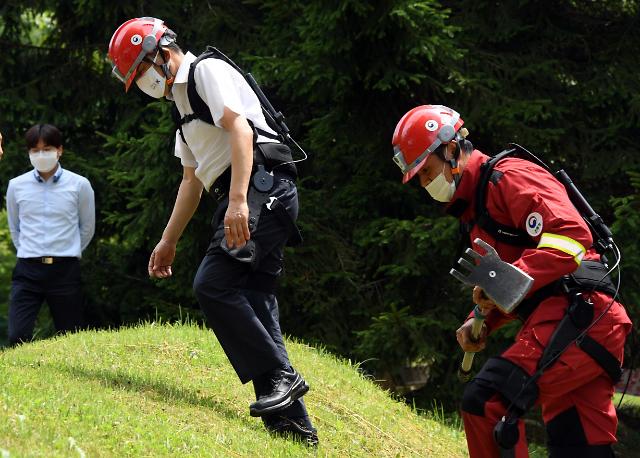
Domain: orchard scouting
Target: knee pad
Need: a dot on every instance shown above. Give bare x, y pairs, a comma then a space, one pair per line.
501, 376
475, 395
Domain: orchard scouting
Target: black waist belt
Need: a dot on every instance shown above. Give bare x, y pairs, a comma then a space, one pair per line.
590, 276
220, 188
268, 155
48, 259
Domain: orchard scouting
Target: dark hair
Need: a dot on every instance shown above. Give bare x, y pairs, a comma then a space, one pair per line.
465, 146
169, 38
48, 133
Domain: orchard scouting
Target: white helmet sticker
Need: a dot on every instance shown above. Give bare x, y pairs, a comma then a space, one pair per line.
534, 224
136, 40
431, 125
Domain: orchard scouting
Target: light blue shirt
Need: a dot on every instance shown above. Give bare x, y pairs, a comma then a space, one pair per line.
50, 218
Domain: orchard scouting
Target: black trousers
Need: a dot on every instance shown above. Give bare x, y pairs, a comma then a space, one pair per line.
240, 309
33, 283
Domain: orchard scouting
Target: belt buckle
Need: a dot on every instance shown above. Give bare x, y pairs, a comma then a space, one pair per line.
47, 260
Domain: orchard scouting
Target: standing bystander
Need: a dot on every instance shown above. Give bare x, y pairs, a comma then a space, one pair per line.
51, 215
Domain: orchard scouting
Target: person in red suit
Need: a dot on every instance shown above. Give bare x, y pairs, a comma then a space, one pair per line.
574, 390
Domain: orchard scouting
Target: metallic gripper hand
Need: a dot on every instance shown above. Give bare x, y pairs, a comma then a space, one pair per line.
503, 283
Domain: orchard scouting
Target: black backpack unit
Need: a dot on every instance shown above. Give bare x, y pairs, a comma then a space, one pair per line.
590, 276
602, 236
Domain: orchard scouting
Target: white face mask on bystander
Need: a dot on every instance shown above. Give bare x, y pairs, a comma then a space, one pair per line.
44, 160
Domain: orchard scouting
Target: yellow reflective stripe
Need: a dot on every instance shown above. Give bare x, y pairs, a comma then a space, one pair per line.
564, 244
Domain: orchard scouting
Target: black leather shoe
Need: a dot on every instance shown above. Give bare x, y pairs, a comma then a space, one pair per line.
294, 429
287, 387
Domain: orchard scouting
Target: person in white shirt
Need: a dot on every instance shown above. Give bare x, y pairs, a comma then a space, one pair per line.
229, 150
51, 215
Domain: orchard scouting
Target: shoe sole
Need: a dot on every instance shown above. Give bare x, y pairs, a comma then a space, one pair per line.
296, 393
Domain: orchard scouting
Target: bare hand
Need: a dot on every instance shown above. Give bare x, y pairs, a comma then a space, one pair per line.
1, 152
161, 259
236, 225
484, 303
467, 342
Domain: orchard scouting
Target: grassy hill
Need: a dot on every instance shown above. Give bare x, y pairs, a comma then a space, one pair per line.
168, 390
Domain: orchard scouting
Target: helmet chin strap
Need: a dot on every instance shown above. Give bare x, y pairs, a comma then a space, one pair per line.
453, 162
166, 69
455, 171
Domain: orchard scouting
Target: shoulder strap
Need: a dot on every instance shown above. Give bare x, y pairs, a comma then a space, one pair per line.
200, 109
500, 232
175, 115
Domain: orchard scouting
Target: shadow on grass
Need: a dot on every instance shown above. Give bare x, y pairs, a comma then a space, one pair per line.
158, 389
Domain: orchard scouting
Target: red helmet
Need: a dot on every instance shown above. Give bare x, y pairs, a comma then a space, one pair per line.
419, 133
131, 43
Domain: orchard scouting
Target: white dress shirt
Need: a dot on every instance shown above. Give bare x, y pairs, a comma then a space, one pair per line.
55, 217
219, 85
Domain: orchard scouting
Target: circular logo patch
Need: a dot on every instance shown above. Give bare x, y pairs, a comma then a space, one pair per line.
136, 39
534, 224
431, 125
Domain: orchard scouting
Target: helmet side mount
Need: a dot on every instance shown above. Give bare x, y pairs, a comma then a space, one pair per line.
149, 43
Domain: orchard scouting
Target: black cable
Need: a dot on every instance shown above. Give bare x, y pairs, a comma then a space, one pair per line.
269, 111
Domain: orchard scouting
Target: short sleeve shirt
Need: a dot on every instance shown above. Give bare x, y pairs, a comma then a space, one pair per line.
208, 147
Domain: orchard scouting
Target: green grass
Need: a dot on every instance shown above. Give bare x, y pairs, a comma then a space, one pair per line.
629, 401
168, 390
629, 425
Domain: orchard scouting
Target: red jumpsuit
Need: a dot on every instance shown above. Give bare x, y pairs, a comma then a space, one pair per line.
523, 195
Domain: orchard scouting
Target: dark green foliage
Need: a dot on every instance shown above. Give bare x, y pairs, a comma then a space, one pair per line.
371, 281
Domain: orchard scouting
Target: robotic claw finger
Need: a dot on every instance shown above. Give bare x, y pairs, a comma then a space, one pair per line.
503, 283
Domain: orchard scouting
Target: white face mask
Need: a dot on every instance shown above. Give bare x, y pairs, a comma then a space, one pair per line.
44, 161
152, 83
440, 189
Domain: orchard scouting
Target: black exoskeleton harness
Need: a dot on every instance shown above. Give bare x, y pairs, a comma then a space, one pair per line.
274, 118
601, 234
200, 109
589, 277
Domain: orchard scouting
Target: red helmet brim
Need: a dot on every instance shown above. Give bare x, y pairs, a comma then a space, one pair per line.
411, 173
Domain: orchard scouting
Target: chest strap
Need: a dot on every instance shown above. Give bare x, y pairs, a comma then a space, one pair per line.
501, 232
